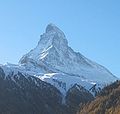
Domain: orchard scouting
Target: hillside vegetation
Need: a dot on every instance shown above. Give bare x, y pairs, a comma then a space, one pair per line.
107, 102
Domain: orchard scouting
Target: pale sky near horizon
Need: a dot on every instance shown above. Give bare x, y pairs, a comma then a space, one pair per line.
92, 27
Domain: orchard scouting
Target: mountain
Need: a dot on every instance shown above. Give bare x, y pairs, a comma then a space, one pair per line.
52, 78
55, 62
107, 102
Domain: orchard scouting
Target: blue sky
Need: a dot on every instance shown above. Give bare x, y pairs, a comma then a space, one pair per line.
92, 27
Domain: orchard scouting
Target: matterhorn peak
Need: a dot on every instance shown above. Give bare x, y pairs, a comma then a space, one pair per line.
52, 43
52, 54
55, 32
51, 27
53, 37
54, 29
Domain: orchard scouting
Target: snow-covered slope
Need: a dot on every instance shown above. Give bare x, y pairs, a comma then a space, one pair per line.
55, 62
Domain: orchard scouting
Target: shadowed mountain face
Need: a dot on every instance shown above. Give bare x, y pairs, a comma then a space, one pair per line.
20, 95
107, 102
75, 96
24, 94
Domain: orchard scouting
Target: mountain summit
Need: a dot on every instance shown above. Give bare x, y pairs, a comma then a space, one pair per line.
53, 28
53, 41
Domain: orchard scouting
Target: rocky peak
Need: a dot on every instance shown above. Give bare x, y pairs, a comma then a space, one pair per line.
53, 37
53, 43
51, 27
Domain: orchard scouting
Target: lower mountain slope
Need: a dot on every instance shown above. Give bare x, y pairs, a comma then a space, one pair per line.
24, 94
107, 102
20, 95
75, 96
